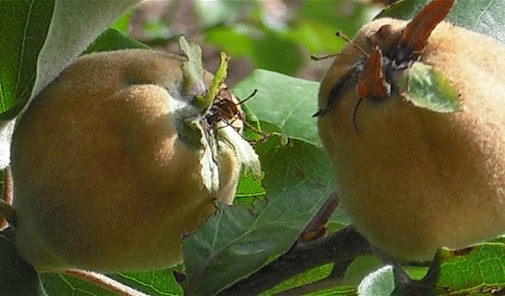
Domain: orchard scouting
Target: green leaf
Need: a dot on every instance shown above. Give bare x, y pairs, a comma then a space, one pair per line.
236, 241
304, 278
41, 38
161, 282
155, 283
112, 39
483, 16
285, 102
472, 271
17, 277
211, 13
427, 88
378, 283
57, 284
24, 27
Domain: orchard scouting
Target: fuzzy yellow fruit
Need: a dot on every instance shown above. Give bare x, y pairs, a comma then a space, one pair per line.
411, 179
102, 178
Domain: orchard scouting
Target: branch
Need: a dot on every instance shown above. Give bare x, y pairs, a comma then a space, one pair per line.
343, 245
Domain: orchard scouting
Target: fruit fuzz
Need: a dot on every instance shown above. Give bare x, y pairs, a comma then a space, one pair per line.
103, 180
414, 180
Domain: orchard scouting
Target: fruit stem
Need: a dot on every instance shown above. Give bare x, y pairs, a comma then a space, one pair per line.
104, 282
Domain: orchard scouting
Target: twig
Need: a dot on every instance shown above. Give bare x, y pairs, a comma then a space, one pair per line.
317, 226
7, 212
341, 246
104, 282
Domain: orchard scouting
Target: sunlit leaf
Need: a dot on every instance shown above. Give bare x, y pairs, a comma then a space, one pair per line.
480, 269
285, 102
426, 87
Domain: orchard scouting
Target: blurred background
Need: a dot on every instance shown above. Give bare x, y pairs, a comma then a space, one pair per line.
275, 35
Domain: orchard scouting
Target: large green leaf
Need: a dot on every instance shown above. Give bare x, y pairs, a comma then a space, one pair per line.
16, 276
57, 284
483, 16
236, 241
285, 102
40, 38
24, 27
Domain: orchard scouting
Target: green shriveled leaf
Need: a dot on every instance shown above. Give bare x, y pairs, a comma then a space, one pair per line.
472, 271
379, 282
237, 241
427, 88
194, 83
286, 103
17, 277
218, 80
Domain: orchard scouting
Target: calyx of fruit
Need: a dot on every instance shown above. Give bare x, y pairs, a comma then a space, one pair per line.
120, 158
413, 178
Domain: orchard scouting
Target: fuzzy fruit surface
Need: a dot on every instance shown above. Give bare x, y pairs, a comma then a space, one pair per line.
102, 180
414, 180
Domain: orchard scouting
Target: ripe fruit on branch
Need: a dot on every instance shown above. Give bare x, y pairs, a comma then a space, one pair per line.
111, 161
415, 177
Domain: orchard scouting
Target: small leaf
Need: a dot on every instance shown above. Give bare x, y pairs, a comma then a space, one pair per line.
194, 83
17, 277
379, 282
427, 88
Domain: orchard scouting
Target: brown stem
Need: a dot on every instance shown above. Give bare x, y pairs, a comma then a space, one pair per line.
317, 226
338, 247
104, 282
7, 212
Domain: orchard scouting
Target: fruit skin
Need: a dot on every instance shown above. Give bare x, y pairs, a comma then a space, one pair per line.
102, 181
413, 180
